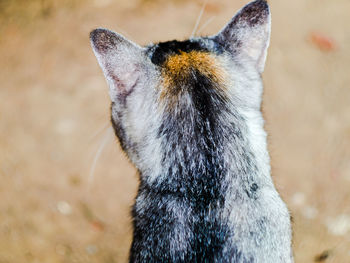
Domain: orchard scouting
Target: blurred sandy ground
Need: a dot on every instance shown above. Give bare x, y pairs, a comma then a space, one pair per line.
54, 110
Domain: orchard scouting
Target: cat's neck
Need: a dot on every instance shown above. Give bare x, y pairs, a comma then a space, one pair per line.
205, 160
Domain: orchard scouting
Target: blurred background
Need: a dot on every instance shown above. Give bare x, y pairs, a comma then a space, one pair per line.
66, 188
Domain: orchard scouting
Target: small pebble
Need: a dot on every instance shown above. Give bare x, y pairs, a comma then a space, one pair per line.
64, 208
339, 226
310, 212
298, 199
323, 256
91, 249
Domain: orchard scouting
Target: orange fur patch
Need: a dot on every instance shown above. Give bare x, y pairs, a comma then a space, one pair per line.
177, 69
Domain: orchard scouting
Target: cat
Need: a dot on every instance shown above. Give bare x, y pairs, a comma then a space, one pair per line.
187, 114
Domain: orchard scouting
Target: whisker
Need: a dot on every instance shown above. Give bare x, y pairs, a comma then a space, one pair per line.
99, 131
205, 24
199, 19
103, 143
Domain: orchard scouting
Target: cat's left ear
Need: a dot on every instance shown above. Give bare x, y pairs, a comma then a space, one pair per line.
120, 59
248, 33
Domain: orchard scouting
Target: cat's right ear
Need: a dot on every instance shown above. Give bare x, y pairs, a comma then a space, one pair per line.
120, 60
248, 33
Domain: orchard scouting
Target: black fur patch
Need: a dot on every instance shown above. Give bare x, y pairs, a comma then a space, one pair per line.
164, 49
160, 52
252, 191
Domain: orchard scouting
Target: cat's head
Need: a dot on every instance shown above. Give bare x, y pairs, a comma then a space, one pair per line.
181, 86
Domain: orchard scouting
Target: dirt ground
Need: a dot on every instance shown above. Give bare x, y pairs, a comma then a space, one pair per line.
54, 120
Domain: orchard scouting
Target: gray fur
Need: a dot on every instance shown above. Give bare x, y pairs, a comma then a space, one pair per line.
245, 215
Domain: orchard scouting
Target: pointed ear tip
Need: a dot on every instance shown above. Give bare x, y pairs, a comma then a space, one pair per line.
98, 33
254, 13
261, 5
103, 39
93, 34
105, 36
